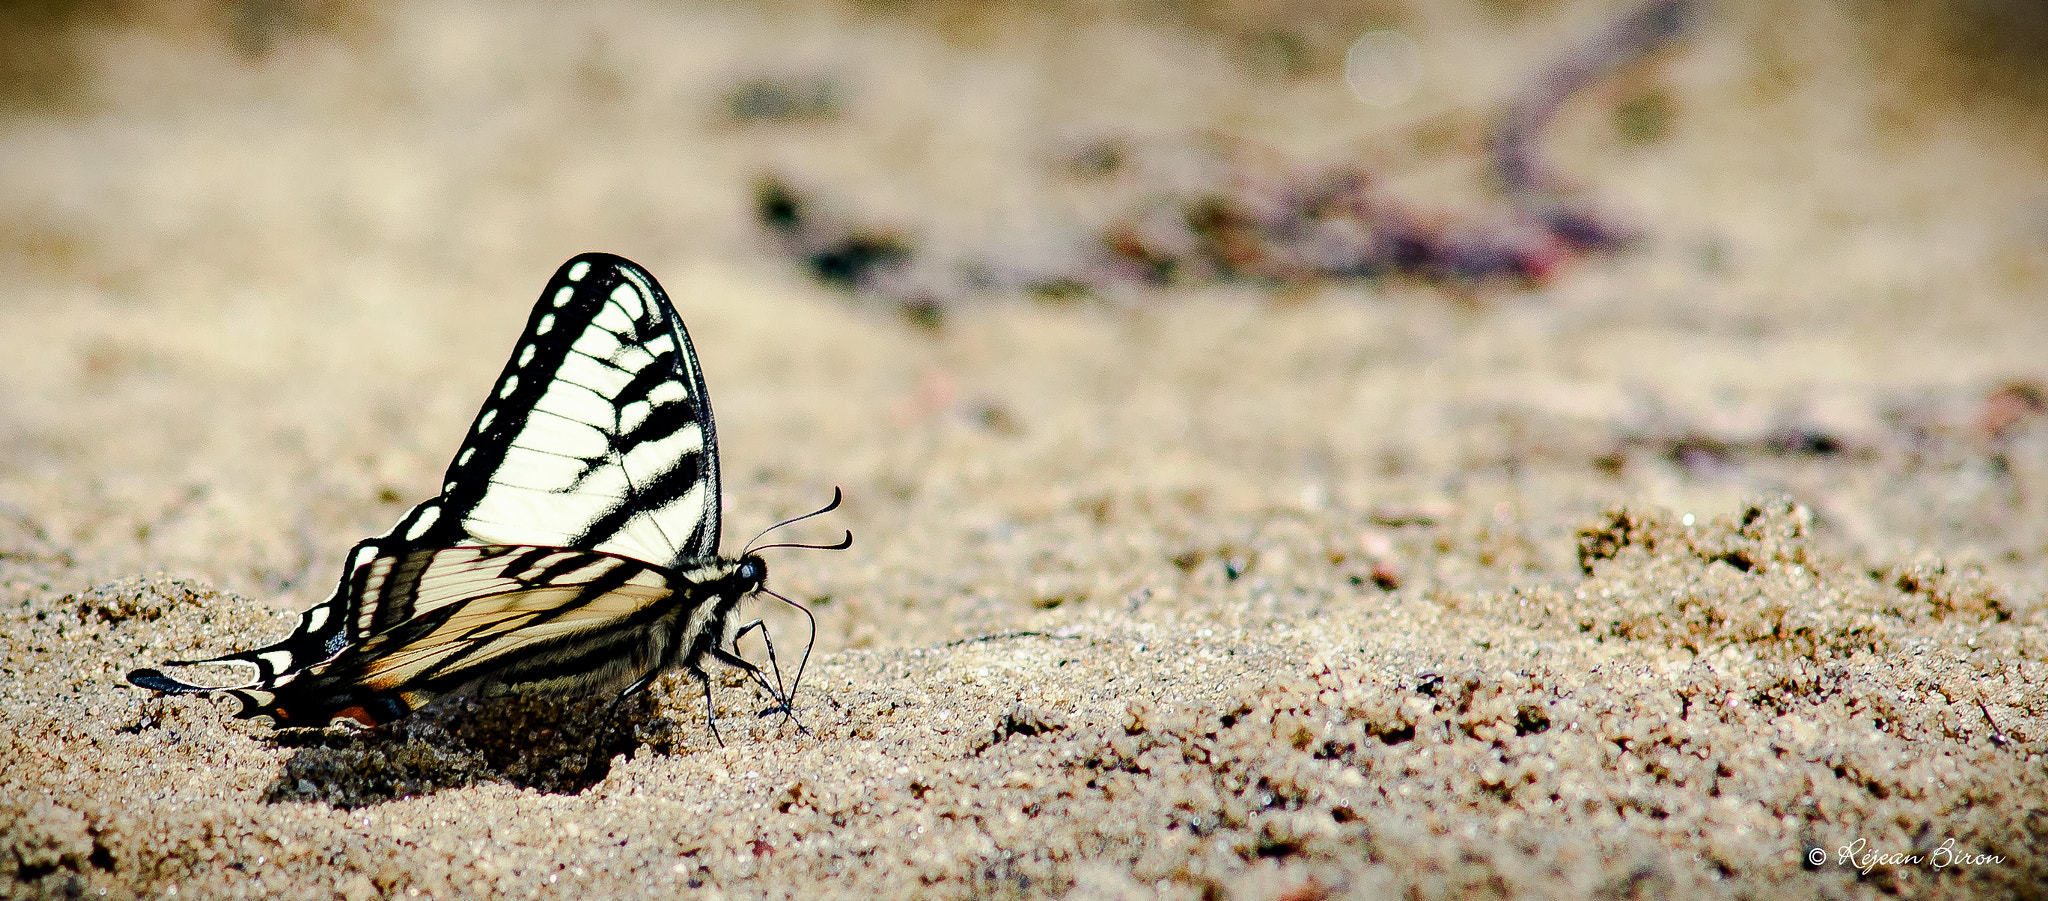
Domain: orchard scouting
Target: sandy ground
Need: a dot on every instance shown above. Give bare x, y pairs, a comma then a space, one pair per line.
1652, 580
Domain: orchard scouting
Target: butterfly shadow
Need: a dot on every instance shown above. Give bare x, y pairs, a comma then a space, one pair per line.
551, 745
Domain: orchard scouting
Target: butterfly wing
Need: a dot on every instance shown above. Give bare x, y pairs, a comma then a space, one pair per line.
597, 436
434, 621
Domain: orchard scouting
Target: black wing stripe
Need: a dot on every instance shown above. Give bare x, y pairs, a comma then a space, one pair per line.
613, 658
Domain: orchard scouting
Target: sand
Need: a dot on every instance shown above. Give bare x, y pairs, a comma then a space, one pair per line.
1711, 568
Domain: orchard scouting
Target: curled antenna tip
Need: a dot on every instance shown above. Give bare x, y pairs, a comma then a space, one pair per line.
843, 544
837, 495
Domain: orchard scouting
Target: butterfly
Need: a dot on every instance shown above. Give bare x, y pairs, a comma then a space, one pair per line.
573, 547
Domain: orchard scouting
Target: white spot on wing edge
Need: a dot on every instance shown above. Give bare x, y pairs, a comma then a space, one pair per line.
426, 521
578, 271
271, 659
316, 617
562, 296
484, 422
526, 355
547, 324
511, 385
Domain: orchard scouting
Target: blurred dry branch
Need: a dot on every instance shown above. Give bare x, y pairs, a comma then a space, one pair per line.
1517, 152
1255, 215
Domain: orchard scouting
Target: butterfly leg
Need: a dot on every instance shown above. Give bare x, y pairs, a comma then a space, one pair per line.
787, 698
740, 663
710, 714
774, 663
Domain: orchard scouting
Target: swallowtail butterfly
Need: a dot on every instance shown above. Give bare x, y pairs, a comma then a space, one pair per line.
573, 547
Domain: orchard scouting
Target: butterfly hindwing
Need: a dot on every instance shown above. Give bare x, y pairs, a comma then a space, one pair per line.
522, 618
354, 612
322, 632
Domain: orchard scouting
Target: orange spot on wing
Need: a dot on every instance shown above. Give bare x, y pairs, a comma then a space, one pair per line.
361, 716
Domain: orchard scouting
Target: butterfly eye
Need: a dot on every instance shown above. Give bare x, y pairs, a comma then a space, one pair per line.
752, 571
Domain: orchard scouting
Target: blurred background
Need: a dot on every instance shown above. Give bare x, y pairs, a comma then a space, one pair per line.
1085, 303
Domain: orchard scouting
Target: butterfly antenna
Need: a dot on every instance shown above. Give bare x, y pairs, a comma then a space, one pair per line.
834, 505
840, 545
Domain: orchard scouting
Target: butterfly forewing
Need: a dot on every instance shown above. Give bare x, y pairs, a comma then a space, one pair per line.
597, 435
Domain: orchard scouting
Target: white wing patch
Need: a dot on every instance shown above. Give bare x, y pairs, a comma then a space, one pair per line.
566, 437
633, 414
614, 316
597, 344
601, 381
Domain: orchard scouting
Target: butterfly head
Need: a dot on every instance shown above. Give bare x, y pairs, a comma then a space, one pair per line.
750, 574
